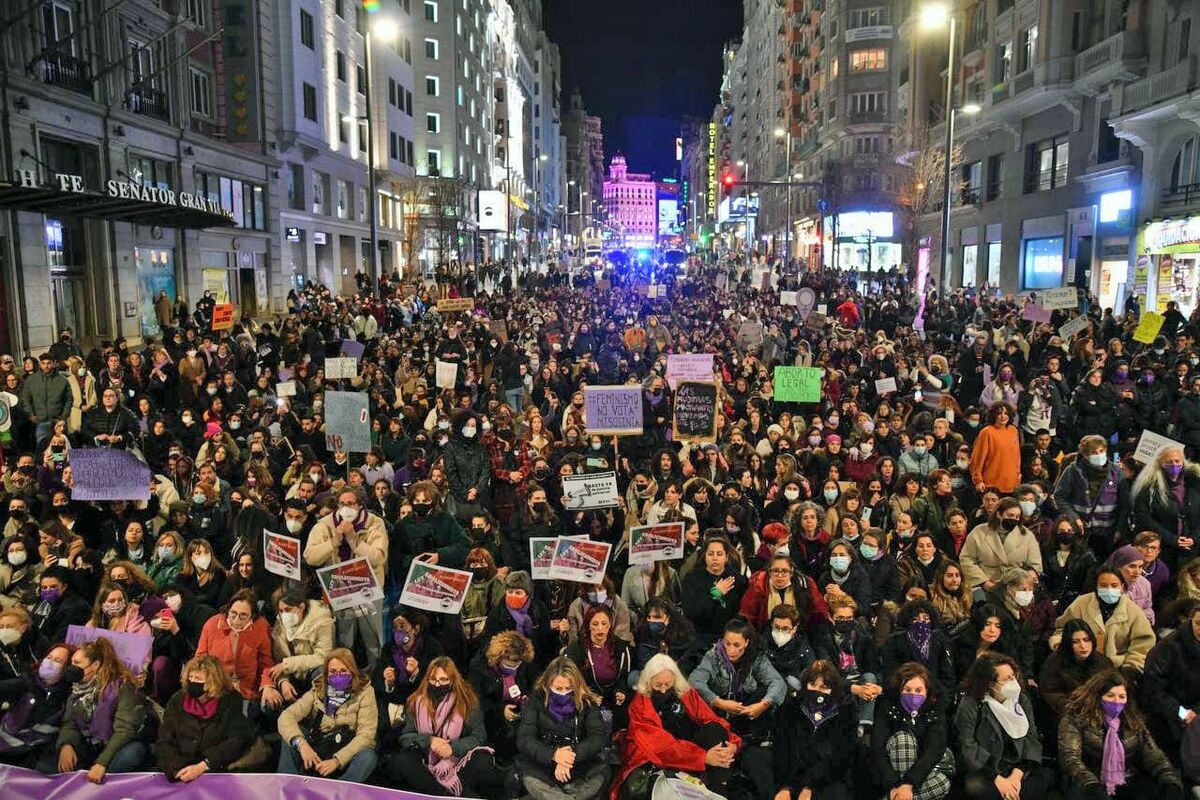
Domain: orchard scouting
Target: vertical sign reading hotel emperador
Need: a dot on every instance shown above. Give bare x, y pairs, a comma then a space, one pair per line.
712, 169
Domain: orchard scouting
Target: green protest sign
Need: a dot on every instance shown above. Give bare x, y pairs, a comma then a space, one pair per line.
797, 384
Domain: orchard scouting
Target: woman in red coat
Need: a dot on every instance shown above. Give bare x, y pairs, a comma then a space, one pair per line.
782, 582
671, 727
241, 640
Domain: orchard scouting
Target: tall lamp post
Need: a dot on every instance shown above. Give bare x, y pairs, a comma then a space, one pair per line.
536, 248
385, 30
786, 135
933, 17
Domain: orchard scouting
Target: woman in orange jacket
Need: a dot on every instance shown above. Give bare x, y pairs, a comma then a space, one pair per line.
996, 457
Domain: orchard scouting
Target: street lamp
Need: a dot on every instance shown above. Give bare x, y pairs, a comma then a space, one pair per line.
786, 135
536, 247
386, 30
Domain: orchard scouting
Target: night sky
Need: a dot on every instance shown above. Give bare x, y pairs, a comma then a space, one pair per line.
642, 65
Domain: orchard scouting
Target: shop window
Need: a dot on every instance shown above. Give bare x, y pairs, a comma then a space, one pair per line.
1043, 263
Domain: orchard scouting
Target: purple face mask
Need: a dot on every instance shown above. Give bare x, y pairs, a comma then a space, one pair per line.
50, 596
1111, 708
50, 670
1173, 470
400, 637
340, 680
911, 703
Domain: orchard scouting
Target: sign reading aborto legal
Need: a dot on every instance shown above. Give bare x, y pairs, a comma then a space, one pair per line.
798, 384
613, 410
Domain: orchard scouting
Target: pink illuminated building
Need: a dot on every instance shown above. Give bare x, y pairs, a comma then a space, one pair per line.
631, 200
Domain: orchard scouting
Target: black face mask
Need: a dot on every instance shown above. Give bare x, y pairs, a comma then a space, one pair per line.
844, 626
662, 700
438, 693
1009, 524
422, 509
195, 689
72, 674
538, 507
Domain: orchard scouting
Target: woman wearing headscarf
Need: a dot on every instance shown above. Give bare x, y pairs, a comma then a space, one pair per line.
330, 730
203, 728
561, 737
1000, 750
1105, 749
442, 749
1075, 661
817, 739
1128, 559
736, 678
672, 728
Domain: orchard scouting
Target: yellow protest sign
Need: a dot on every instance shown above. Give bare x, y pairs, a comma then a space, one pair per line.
447, 304
1149, 326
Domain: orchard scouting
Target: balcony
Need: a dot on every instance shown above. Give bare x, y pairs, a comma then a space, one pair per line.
1161, 86
1177, 197
868, 116
148, 101
1117, 58
971, 196
67, 72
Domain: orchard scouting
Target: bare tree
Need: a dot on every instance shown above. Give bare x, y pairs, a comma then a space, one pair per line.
921, 187
412, 228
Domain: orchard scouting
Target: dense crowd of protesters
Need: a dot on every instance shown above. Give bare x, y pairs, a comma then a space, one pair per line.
965, 585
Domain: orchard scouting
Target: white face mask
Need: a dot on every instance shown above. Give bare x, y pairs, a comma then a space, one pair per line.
781, 637
17, 557
174, 602
293, 525
347, 514
290, 619
9, 636
468, 433
1023, 598
791, 494
1010, 690
315, 476
201, 561
866, 448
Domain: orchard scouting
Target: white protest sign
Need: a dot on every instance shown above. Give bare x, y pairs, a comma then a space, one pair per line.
285, 389
1073, 327
1066, 297
349, 584
885, 386
281, 554
583, 492
433, 588
447, 374
1149, 446
347, 422
689, 367
341, 368
788, 299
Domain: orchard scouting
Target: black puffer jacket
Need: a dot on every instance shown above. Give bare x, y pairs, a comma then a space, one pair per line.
1171, 680
539, 735
467, 464
1095, 410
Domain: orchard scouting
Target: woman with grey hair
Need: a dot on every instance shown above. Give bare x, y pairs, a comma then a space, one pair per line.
1166, 500
672, 728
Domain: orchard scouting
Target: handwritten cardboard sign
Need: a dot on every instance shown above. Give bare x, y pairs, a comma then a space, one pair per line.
1148, 327
222, 319
798, 384
689, 367
446, 305
696, 411
1054, 299
347, 422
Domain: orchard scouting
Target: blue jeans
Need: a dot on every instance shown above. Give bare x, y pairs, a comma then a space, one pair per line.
513, 398
129, 758
357, 771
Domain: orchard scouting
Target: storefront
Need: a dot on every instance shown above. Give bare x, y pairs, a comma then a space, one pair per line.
1168, 264
865, 241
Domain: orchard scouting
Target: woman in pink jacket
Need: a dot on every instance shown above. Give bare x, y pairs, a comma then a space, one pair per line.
113, 611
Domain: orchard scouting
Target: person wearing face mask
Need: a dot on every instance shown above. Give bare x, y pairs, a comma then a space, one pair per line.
1091, 493
429, 534
818, 739
485, 592
442, 747
1125, 634
1106, 751
58, 606
561, 737
787, 647
301, 639
203, 728
1166, 500
32, 719
503, 674
114, 611
919, 637
998, 543
20, 645
909, 754
19, 569
671, 727
168, 558
468, 468
999, 746
241, 640
663, 629
103, 716
844, 574
341, 743
917, 461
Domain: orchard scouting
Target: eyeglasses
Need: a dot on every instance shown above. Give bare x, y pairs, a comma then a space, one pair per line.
781, 571
239, 615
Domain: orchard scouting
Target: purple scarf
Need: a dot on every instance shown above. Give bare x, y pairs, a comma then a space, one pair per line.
98, 726
508, 679
448, 726
561, 706
1112, 761
735, 681
522, 618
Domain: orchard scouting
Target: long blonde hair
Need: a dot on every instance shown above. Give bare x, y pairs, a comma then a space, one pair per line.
465, 699
566, 668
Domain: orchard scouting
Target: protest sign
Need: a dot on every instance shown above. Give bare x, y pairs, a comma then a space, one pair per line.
823, 309
806, 298
347, 422
433, 588
222, 319
797, 384
613, 410
281, 555
342, 368
447, 374
750, 335
816, 321
721, 281
352, 348
446, 305
579, 560
885, 386
541, 553
285, 389
133, 649
689, 367
1150, 444
696, 411
499, 329
650, 543
1073, 327
788, 299
349, 584
1035, 313
583, 492
1054, 299
1148, 328
99, 473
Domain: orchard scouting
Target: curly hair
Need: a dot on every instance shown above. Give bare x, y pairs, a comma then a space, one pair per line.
510, 645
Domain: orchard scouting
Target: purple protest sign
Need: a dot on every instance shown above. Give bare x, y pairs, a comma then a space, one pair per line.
27, 784
353, 348
1035, 313
133, 649
98, 473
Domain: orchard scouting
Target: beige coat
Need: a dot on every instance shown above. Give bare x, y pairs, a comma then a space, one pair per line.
372, 545
1127, 636
82, 398
308, 646
358, 713
985, 554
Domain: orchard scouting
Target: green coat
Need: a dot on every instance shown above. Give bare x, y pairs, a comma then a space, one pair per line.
128, 718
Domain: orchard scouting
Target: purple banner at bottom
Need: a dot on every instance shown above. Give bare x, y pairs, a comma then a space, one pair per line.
24, 784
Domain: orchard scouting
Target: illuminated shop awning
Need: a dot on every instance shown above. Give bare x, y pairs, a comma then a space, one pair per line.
123, 202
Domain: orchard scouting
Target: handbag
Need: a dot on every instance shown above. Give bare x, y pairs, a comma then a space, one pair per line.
326, 743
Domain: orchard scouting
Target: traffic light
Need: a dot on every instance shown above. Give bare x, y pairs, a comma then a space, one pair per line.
727, 180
